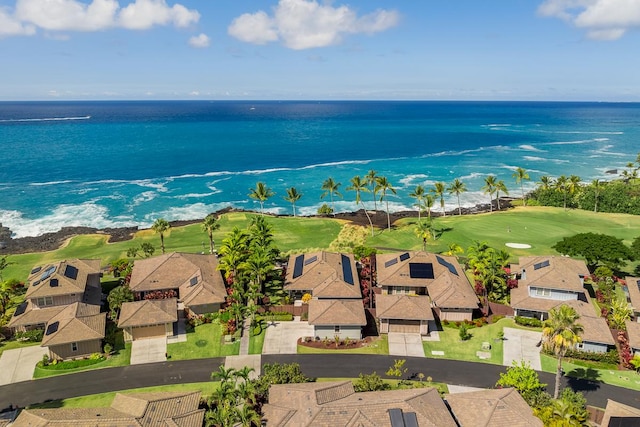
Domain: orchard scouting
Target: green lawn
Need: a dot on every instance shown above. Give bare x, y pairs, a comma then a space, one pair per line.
379, 345
257, 341
204, 341
454, 348
581, 369
104, 400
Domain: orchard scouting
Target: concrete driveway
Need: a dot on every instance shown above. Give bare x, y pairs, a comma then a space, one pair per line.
522, 345
401, 344
282, 337
149, 350
18, 364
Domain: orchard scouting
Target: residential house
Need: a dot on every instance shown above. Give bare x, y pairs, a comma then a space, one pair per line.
633, 295
177, 409
496, 408
336, 307
421, 273
193, 278
53, 287
149, 318
618, 414
76, 331
337, 404
331, 317
545, 282
404, 313
633, 331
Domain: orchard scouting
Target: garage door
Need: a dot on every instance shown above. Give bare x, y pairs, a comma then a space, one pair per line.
405, 326
148, 332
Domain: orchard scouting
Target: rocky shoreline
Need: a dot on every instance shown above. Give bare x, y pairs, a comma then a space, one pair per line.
52, 241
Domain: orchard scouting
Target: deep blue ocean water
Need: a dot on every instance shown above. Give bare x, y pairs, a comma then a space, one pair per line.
106, 164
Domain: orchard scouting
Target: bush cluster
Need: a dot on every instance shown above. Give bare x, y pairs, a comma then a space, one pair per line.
34, 335
610, 357
528, 321
276, 316
476, 323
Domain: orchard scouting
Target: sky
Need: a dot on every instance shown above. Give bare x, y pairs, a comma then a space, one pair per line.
557, 50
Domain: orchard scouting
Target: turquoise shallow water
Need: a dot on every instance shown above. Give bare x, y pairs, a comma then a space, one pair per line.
105, 164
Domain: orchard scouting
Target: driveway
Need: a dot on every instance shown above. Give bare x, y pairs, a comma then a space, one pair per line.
402, 344
522, 345
18, 364
149, 350
282, 337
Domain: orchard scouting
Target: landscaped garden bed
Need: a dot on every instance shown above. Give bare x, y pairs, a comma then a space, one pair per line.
336, 343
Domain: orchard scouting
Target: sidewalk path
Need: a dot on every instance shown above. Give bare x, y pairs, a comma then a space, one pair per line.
244, 339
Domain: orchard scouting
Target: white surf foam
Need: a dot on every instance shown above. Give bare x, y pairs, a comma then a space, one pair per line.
528, 147
46, 119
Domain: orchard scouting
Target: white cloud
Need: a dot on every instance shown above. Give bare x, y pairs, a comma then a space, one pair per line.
603, 19
201, 40
96, 15
10, 26
304, 24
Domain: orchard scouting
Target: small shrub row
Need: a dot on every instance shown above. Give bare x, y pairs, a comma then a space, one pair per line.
528, 321
610, 357
34, 335
56, 365
477, 323
273, 316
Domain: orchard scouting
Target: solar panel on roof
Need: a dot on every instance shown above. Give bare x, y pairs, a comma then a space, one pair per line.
193, 281
404, 256
391, 262
52, 328
410, 419
540, 265
48, 272
297, 266
310, 260
53, 283
421, 270
21, 309
36, 269
396, 418
71, 272
347, 272
36, 283
447, 264
638, 285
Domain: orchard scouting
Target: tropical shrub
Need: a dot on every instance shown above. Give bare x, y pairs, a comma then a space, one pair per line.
528, 321
34, 335
370, 382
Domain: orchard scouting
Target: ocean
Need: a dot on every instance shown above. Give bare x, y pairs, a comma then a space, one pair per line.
111, 164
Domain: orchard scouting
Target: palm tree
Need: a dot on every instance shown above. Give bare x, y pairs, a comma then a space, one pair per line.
359, 186
292, 197
560, 334
383, 185
428, 204
501, 186
261, 193
209, 225
371, 179
424, 230
521, 175
161, 226
597, 186
439, 188
573, 184
418, 194
330, 188
546, 182
454, 249
561, 185
490, 188
248, 417
457, 187
258, 265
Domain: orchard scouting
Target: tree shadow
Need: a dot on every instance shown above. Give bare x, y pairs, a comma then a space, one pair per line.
583, 379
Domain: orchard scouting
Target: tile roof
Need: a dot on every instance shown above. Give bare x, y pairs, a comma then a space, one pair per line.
633, 330
492, 408
178, 270
336, 403
27, 314
329, 312
77, 322
449, 287
405, 307
560, 273
170, 409
620, 411
323, 274
520, 299
633, 285
596, 330
148, 312
61, 278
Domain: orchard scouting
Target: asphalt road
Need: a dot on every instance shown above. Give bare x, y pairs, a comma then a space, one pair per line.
337, 366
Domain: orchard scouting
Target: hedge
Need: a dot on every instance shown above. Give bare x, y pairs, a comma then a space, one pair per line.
528, 321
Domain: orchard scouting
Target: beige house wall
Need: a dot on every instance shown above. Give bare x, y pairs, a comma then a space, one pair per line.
65, 351
60, 300
455, 316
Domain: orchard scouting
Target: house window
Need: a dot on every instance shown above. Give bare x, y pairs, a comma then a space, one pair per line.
43, 302
580, 346
541, 292
336, 329
74, 346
